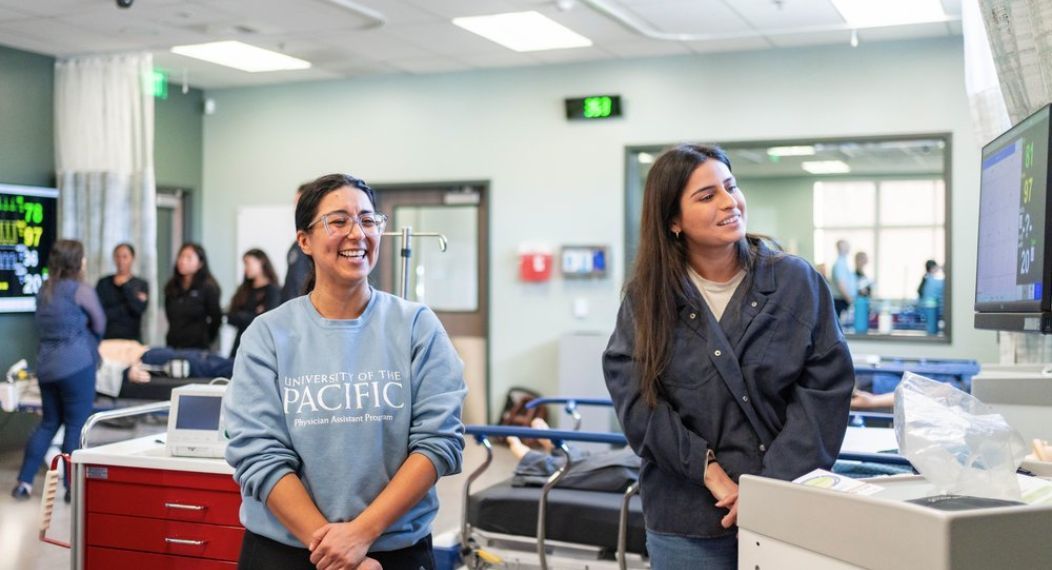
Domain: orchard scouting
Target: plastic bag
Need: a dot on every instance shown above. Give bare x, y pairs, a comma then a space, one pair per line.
957, 442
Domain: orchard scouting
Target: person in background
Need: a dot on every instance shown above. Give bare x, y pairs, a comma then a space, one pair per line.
727, 359
863, 283
123, 296
70, 322
845, 286
931, 284
299, 265
191, 301
344, 407
257, 294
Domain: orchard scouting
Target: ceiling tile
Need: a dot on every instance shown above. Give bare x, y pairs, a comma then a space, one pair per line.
283, 16
445, 39
810, 39
646, 48
429, 65
765, 14
377, 44
731, 44
695, 17
570, 55
450, 9
500, 59
590, 24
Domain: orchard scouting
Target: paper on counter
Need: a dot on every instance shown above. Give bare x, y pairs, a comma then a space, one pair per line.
828, 480
1036, 491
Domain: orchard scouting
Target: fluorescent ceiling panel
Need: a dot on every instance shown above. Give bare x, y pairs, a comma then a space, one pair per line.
825, 166
871, 13
241, 56
523, 31
802, 150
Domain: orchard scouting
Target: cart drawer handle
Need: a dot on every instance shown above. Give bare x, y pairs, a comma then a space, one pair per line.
184, 507
184, 541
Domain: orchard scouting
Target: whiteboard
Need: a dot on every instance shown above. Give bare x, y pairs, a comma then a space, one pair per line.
270, 228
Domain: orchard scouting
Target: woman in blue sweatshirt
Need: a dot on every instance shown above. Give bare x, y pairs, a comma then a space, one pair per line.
344, 407
727, 359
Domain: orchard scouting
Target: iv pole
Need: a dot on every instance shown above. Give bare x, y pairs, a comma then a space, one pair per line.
407, 236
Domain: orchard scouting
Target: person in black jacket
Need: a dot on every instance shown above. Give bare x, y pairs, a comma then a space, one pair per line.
123, 296
257, 294
727, 359
300, 265
191, 301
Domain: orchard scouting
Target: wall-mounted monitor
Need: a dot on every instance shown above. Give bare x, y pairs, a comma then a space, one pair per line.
28, 226
1013, 290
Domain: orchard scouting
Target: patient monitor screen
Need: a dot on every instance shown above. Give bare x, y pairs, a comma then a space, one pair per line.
198, 412
28, 218
1012, 206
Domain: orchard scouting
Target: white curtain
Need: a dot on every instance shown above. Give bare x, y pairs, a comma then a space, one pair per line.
104, 157
987, 103
1020, 33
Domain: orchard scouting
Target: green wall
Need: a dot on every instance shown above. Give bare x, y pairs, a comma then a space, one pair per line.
27, 156
177, 146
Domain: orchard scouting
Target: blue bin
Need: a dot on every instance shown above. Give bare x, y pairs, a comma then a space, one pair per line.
885, 377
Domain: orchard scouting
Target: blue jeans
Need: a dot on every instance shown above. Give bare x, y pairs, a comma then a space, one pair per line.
671, 552
66, 401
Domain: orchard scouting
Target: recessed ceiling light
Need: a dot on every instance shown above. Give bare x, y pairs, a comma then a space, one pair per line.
802, 150
645, 158
825, 166
241, 56
523, 31
873, 13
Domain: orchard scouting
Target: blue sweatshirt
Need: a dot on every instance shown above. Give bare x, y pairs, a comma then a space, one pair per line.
342, 404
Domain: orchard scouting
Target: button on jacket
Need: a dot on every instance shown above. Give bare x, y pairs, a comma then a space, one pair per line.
767, 388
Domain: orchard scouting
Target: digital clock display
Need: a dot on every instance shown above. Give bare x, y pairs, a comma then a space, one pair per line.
594, 107
28, 218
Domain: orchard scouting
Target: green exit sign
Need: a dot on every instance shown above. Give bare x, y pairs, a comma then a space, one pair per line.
159, 83
593, 107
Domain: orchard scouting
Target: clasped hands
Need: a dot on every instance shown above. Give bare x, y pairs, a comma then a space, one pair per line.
342, 546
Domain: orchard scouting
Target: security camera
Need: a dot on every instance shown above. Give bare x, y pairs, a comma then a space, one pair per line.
125, 3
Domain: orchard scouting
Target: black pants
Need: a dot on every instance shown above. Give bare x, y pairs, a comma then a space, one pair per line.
260, 552
840, 305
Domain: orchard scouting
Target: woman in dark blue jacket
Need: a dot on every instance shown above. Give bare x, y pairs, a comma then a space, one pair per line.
70, 322
727, 359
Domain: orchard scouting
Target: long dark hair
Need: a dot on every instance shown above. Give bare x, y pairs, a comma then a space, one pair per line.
203, 277
659, 275
65, 261
310, 198
245, 289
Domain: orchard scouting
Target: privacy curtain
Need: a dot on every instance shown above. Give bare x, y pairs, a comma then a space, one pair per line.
1020, 33
104, 157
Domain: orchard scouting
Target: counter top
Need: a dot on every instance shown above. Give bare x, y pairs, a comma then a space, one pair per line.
148, 453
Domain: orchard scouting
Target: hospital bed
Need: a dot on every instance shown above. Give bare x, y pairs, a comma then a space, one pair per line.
549, 527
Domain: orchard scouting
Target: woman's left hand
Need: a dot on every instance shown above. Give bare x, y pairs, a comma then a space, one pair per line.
729, 502
339, 546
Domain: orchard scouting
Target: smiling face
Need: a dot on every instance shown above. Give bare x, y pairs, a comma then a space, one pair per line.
712, 209
341, 260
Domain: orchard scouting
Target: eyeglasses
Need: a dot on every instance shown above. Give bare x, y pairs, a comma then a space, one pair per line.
342, 224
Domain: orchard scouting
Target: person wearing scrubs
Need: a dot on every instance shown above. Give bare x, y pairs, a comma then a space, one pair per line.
344, 406
727, 359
